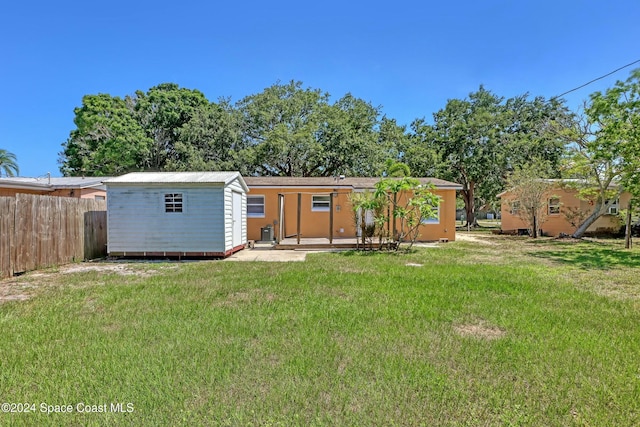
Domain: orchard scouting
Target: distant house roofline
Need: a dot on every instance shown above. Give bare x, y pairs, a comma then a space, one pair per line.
51, 183
560, 181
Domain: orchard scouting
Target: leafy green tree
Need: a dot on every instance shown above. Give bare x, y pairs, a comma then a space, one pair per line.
605, 150
531, 190
8, 163
279, 124
296, 132
211, 140
469, 137
367, 205
162, 112
349, 139
411, 204
107, 140
533, 132
421, 151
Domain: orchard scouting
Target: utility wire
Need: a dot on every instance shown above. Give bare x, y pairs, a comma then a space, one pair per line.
595, 80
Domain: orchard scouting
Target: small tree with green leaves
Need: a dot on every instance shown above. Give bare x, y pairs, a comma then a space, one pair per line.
531, 190
411, 204
364, 202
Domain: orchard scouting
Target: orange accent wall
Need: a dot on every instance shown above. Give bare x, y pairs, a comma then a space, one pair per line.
316, 223
554, 224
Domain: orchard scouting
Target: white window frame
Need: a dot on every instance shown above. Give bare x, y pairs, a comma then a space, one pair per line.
613, 207
173, 202
324, 206
100, 198
254, 214
435, 220
553, 208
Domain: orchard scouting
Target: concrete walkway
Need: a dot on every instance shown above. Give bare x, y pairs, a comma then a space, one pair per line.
265, 252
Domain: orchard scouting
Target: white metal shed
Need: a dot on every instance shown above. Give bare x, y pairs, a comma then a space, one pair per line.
176, 214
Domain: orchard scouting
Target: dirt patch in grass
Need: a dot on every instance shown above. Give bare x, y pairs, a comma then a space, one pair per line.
23, 287
480, 330
11, 290
466, 237
122, 269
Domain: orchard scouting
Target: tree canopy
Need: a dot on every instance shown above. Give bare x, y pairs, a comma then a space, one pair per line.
291, 130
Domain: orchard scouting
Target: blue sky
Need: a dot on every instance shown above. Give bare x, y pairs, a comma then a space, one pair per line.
408, 57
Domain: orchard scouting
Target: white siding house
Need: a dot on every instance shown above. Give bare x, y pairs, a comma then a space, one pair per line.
176, 214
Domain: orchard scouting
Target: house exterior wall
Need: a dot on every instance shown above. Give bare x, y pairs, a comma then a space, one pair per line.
137, 221
11, 192
554, 224
83, 193
316, 223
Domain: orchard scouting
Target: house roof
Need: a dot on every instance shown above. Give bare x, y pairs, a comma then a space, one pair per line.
335, 182
52, 183
178, 177
555, 181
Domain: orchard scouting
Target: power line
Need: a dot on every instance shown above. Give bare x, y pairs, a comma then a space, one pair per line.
596, 79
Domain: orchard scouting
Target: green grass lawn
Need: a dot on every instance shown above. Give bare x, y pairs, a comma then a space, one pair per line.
507, 331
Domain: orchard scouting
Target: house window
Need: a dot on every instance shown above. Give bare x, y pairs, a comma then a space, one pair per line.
99, 197
321, 203
435, 220
554, 206
515, 207
255, 206
613, 206
173, 202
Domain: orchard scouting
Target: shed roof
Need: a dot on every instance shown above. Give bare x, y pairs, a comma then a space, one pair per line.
178, 177
334, 182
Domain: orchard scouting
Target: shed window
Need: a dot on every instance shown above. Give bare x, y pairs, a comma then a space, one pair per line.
554, 206
255, 206
321, 203
173, 202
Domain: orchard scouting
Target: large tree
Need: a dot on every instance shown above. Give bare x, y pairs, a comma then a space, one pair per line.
349, 139
605, 148
293, 131
211, 140
483, 138
107, 140
162, 112
8, 163
468, 135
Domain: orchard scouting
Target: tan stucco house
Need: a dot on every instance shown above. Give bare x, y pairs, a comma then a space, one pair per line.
325, 210
562, 203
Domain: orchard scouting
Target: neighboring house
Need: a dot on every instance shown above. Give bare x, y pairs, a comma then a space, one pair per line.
198, 214
564, 212
273, 202
78, 187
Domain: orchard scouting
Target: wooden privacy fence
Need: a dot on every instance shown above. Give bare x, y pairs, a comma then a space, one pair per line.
43, 231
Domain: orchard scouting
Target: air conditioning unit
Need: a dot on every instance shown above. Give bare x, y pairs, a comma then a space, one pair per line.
266, 233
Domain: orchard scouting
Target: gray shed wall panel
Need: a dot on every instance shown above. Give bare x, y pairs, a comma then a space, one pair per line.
137, 221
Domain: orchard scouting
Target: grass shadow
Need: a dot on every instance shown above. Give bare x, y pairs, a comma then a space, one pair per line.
590, 257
